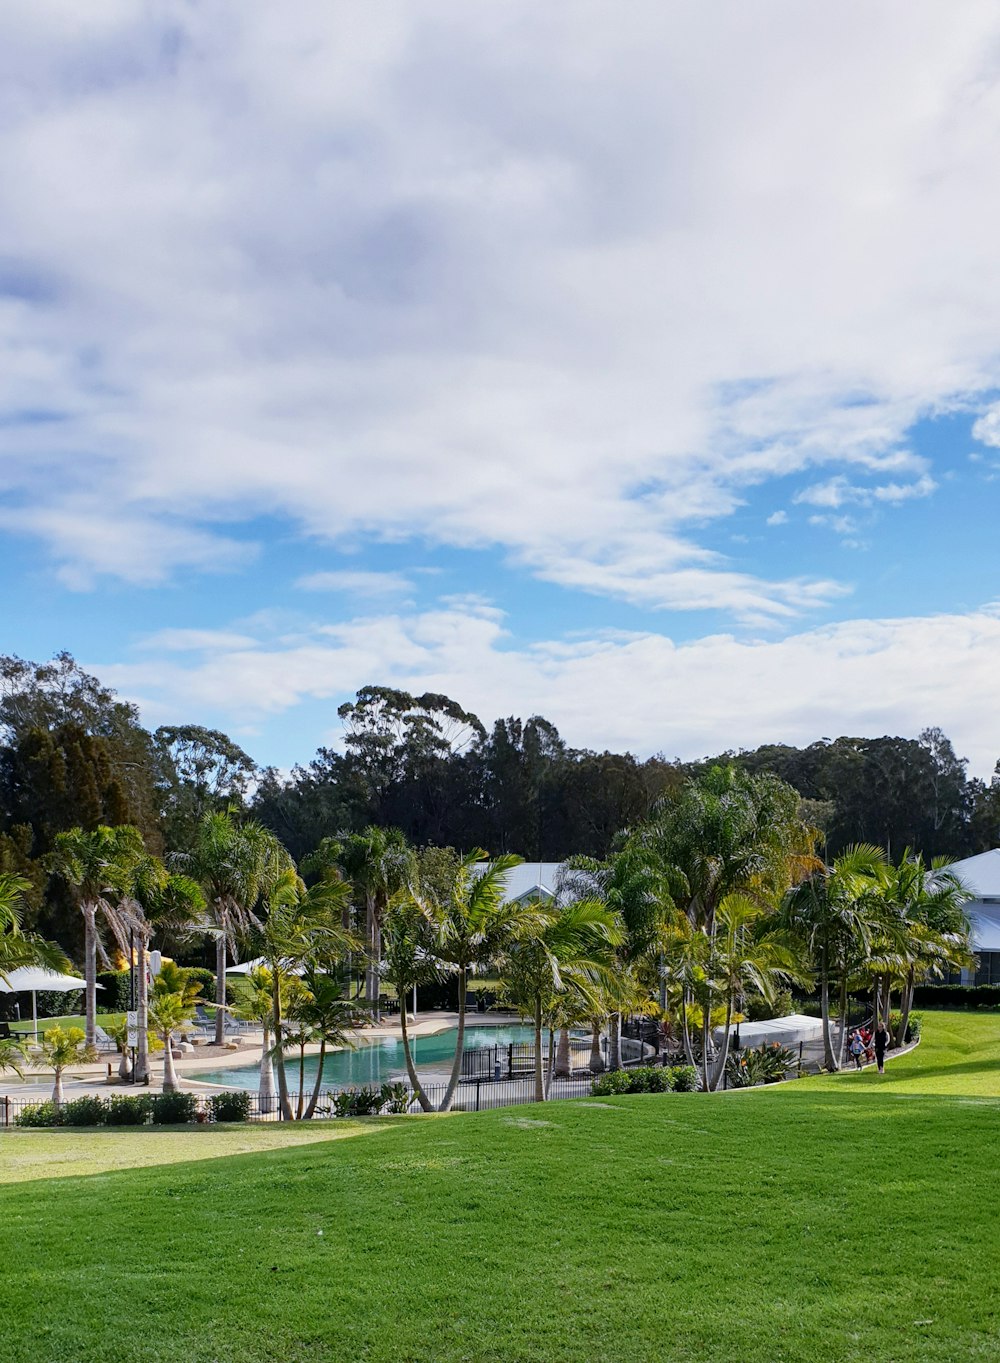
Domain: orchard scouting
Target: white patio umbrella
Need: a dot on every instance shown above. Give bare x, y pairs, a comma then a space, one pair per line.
247, 966
30, 979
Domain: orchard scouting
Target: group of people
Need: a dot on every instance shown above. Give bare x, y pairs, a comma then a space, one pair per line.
868, 1045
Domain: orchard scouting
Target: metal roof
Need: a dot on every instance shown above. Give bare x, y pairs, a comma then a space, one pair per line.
532, 879
981, 873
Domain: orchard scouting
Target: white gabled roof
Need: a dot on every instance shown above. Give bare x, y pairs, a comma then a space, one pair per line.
532, 879
981, 873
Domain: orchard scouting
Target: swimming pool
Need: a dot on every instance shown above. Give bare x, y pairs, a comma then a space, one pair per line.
374, 1061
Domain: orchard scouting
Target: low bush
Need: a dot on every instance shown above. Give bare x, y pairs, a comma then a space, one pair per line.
912, 1027
129, 1109
362, 1102
957, 996
85, 1111
173, 1109
614, 1081
114, 991
649, 1079
39, 1114
767, 1064
229, 1107
395, 1097
683, 1078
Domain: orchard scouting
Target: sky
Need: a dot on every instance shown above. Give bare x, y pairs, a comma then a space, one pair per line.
638, 367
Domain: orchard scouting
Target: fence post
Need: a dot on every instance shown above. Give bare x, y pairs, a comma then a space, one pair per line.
478, 1083
6, 1110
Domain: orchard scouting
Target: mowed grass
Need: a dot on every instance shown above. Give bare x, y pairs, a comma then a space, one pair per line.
847, 1218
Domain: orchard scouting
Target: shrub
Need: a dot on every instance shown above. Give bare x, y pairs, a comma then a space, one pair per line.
759, 1010
39, 1114
55, 1005
683, 1078
767, 1064
172, 1109
129, 1109
912, 1027
395, 1097
196, 974
115, 992
957, 995
85, 1111
648, 1079
362, 1102
614, 1081
229, 1107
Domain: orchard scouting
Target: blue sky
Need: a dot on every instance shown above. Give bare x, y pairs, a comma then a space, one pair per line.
639, 371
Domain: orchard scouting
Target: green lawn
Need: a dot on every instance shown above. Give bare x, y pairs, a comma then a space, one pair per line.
837, 1219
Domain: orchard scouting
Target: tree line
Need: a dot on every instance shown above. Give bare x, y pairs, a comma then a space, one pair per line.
73, 754
718, 900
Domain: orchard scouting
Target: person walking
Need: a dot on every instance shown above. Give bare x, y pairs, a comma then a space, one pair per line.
881, 1040
857, 1049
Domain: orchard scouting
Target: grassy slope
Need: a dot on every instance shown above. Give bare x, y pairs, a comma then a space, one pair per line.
840, 1219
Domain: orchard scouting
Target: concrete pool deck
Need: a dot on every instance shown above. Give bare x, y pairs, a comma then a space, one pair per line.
92, 1079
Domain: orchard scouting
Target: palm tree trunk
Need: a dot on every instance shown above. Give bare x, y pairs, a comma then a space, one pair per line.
550, 1068
57, 1090
265, 1085
686, 1031
829, 1059
371, 970
425, 1103
539, 1058
456, 1068
596, 1058
220, 987
169, 1073
905, 1003
284, 1105
142, 1014
90, 971
615, 1042
564, 1064
844, 1021
706, 1036
314, 1098
723, 1056
302, 1080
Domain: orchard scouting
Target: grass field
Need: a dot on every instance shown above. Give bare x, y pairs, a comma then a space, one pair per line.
836, 1219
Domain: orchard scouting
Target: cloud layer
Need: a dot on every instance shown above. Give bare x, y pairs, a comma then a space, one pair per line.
621, 691
567, 281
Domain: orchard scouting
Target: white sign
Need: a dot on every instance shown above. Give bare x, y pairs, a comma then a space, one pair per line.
132, 1018
132, 1023
132, 1038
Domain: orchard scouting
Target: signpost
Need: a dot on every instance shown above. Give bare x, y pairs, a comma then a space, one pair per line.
132, 1024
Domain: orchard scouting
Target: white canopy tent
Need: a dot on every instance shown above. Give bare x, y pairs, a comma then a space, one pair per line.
31, 979
786, 1031
255, 964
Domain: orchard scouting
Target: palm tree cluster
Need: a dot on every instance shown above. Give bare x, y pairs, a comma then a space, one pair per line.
720, 899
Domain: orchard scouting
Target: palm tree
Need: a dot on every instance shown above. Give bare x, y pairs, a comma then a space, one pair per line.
925, 930
232, 862
471, 928
17, 947
256, 1006
379, 863
329, 1018
569, 949
409, 961
97, 865
169, 1010
303, 927
59, 1050
636, 884
165, 902
751, 953
836, 913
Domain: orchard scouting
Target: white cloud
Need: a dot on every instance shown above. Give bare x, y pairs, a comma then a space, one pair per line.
356, 583
987, 428
561, 280
777, 518
642, 692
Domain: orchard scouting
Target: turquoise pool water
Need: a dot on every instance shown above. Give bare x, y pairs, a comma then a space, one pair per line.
372, 1062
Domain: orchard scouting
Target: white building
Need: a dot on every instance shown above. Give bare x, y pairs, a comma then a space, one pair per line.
982, 875
531, 880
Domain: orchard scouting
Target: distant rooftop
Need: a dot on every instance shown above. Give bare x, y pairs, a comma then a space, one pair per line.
532, 879
981, 874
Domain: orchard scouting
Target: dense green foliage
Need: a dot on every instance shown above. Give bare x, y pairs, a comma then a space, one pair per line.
826, 1219
72, 754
